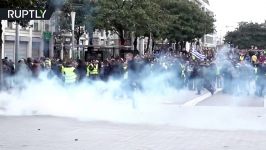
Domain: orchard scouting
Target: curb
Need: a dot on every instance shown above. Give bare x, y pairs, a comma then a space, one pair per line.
201, 98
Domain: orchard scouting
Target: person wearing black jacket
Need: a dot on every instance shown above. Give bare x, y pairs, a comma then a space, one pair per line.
105, 70
116, 68
198, 73
227, 74
261, 81
81, 70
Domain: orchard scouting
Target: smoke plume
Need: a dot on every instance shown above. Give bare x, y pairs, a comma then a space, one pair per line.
115, 102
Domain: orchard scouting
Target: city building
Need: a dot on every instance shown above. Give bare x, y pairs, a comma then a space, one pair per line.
44, 39
105, 38
209, 40
34, 41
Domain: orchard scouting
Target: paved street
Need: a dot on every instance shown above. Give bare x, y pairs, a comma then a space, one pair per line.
50, 133
182, 97
118, 74
214, 123
221, 99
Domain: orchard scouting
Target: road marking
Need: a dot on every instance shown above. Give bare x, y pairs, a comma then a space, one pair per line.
201, 98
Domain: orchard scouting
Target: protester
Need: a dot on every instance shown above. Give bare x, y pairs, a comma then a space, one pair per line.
193, 71
81, 70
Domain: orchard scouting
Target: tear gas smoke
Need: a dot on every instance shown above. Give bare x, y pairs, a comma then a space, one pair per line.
112, 101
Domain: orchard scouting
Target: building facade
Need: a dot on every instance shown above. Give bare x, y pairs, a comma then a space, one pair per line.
35, 41
209, 40
105, 38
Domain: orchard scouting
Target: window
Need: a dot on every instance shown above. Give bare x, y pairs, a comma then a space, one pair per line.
46, 27
209, 39
35, 26
10, 25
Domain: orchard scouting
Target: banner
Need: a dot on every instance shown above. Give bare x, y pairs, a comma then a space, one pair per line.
198, 55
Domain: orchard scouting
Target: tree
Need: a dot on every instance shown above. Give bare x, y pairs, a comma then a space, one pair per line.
127, 16
84, 11
176, 20
150, 20
115, 15
247, 35
188, 21
18, 4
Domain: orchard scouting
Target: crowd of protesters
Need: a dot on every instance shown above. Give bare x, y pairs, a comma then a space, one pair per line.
242, 70
234, 73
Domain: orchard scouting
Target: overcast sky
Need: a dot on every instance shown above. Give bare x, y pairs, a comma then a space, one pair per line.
230, 12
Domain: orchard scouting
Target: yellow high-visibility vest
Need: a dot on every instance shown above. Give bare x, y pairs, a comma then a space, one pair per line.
242, 58
62, 69
254, 58
95, 70
69, 75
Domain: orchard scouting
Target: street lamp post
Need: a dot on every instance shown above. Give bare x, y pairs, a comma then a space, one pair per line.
61, 38
73, 15
16, 46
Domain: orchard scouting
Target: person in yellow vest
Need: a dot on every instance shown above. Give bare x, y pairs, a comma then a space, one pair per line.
61, 67
193, 58
254, 59
242, 58
93, 70
69, 74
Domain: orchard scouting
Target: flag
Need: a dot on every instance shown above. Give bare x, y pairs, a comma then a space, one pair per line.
197, 54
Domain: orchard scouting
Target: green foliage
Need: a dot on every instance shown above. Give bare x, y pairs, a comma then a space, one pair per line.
116, 15
84, 13
149, 19
177, 20
187, 20
19, 4
247, 35
125, 16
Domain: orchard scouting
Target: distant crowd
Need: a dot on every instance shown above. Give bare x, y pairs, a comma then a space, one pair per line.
233, 72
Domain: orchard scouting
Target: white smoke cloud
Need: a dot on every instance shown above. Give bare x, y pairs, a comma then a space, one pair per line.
111, 101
